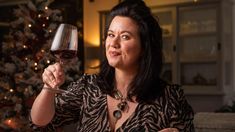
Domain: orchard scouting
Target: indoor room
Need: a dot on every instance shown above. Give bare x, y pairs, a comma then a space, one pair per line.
198, 54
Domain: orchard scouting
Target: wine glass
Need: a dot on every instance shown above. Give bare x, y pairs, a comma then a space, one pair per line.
64, 47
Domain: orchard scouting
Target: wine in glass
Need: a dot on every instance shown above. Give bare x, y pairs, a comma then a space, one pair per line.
64, 47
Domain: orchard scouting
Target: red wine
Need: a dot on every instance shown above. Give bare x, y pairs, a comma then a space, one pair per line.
64, 54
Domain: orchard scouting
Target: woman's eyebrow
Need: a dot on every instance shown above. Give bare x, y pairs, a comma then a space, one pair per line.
124, 31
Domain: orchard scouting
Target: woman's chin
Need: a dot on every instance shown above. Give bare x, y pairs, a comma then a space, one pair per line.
113, 64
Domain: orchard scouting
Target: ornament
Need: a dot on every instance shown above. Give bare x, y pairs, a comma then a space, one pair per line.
122, 106
117, 114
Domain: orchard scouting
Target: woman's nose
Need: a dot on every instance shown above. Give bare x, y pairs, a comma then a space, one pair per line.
115, 43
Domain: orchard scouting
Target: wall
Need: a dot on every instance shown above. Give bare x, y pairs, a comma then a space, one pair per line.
233, 50
92, 33
91, 30
91, 25
165, 2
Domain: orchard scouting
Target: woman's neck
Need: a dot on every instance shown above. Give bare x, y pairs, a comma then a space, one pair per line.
123, 80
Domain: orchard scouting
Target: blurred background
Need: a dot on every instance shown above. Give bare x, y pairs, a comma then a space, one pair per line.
198, 49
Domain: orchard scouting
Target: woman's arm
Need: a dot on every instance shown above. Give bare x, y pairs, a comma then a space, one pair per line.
43, 108
182, 112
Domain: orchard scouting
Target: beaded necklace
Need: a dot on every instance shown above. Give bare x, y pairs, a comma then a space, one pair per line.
122, 106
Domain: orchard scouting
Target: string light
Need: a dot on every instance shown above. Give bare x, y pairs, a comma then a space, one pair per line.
11, 90
48, 61
50, 31
26, 58
46, 8
43, 25
35, 68
11, 122
47, 18
29, 25
24, 46
26, 89
39, 15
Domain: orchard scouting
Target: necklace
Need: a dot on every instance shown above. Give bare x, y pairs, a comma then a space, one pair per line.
122, 106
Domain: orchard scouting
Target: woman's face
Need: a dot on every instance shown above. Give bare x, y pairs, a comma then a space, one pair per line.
122, 44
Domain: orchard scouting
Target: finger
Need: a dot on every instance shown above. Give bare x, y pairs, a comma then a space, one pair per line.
51, 68
59, 74
48, 77
58, 67
47, 82
53, 75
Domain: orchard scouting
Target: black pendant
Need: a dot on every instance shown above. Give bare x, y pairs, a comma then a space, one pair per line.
117, 114
123, 106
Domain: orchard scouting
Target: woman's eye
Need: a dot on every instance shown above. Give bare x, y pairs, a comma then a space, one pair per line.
110, 35
125, 37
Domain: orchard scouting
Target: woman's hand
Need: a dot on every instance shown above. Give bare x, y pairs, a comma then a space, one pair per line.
169, 130
53, 76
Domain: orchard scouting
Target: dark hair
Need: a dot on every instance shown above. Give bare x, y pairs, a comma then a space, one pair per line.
147, 85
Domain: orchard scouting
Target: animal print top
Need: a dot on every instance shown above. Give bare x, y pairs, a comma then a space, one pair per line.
87, 106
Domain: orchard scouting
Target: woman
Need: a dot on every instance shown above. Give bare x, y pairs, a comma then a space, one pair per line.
128, 94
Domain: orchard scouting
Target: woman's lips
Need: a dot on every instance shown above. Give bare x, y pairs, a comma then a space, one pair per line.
114, 53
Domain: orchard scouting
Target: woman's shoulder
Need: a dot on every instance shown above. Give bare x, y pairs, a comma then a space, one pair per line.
88, 77
85, 81
173, 90
173, 87
173, 94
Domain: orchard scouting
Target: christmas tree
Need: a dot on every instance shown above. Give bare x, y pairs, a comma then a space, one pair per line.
24, 55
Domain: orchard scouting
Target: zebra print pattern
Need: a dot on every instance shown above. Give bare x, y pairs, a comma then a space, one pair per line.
87, 106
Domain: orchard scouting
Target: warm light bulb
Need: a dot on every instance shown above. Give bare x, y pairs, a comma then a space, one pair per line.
47, 18
35, 68
48, 61
42, 50
35, 63
24, 46
43, 25
46, 7
26, 89
9, 121
11, 90
50, 31
26, 58
39, 15
30, 25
